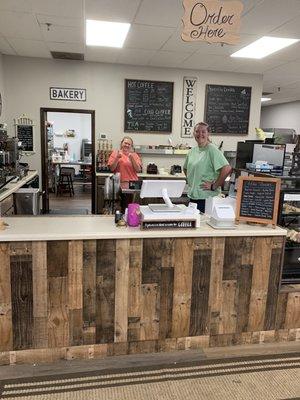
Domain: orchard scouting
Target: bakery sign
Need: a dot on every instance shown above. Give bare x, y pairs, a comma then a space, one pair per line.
212, 21
67, 94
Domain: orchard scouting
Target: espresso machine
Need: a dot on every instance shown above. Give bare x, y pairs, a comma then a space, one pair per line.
10, 153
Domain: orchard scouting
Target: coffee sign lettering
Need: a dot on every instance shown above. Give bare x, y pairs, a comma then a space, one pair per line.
212, 21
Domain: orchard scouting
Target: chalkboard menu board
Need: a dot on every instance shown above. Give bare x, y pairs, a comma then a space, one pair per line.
25, 135
257, 199
148, 106
227, 109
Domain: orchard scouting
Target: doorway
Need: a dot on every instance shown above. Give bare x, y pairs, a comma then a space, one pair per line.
68, 161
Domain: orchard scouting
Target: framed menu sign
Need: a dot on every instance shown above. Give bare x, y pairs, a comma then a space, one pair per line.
227, 109
24, 128
148, 106
257, 199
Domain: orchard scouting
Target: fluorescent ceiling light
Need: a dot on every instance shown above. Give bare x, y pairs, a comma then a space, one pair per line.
264, 47
103, 33
265, 99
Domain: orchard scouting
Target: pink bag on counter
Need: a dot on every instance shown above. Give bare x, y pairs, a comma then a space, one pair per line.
133, 218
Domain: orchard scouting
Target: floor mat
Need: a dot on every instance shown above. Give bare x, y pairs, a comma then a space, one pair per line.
262, 378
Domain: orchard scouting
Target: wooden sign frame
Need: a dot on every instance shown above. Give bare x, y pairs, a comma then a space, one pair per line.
241, 181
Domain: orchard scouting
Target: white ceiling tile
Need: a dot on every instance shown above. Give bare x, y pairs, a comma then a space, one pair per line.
167, 58
200, 61
64, 34
29, 48
107, 10
60, 21
147, 37
290, 29
135, 56
101, 54
249, 4
19, 25
16, 5
66, 47
291, 68
62, 8
268, 15
160, 13
5, 47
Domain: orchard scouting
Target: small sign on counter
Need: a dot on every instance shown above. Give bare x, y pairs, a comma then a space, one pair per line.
168, 224
258, 200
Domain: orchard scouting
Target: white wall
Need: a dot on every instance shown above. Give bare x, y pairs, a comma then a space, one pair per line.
2, 90
28, 81
80, 123
285, 115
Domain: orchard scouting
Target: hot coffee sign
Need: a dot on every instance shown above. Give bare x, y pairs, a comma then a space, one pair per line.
212, 21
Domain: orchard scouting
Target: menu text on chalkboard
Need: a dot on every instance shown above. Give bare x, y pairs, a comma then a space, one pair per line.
25, 136
257, 199
148, 106
227, 109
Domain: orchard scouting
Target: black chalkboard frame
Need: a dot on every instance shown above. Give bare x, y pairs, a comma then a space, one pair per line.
126, 101
206, 110
258, 219
30, 127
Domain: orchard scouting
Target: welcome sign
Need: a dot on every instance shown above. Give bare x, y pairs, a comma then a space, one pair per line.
212, 21
188, 107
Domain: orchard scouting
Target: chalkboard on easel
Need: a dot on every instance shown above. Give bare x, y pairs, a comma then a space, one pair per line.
257, 199
148, 106
227, 109
25, 135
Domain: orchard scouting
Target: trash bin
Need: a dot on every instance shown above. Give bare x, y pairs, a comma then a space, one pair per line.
27, 201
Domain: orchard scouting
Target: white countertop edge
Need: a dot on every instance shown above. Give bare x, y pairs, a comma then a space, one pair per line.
83, 228
12, 187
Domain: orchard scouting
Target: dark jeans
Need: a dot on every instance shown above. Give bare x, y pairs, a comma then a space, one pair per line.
200, 204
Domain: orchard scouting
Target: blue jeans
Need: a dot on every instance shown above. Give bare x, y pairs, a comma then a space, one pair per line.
200, 204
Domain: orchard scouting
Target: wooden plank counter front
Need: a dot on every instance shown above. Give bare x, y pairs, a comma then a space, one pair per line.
96, 297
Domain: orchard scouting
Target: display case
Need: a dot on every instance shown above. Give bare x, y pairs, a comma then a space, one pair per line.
289, 218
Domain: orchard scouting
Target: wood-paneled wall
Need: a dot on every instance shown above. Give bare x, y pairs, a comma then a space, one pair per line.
94, 298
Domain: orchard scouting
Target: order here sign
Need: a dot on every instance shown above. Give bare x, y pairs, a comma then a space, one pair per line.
67, 94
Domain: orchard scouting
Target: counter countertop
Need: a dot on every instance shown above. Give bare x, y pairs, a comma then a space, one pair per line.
144, 175
102, 227
13, 187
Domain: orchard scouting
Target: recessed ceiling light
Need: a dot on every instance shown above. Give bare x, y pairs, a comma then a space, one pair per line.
264, 47
103, 33
263, 99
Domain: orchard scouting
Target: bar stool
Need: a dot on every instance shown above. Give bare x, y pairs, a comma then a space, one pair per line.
65, 181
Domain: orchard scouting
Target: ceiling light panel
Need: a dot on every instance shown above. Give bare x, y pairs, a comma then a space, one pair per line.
108, 34
263, 47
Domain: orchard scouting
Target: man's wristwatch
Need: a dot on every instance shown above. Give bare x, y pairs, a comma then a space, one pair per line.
212, 186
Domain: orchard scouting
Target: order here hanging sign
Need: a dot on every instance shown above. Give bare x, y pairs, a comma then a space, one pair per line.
212, 21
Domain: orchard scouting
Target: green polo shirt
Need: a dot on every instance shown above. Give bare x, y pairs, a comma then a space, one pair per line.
203, 164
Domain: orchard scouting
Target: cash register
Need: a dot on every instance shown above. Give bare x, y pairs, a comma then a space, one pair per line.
167, 215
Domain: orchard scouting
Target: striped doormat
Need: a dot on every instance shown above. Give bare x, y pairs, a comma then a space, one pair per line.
262, 378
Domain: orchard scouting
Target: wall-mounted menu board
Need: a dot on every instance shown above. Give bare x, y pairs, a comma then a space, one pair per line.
25, 135
257, 199
227, 109
148, 106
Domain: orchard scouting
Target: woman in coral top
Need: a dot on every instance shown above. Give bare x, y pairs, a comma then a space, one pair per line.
125, 161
